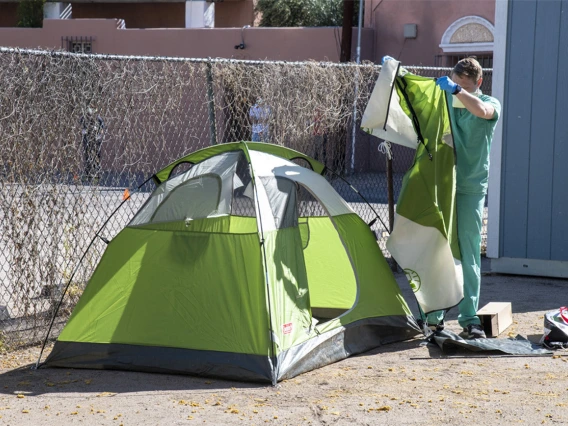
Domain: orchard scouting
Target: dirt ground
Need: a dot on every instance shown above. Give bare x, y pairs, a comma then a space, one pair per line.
407, 383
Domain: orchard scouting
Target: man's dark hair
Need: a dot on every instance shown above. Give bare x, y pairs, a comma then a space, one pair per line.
470, 68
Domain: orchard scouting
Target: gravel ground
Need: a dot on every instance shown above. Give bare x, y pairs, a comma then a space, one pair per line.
407, 383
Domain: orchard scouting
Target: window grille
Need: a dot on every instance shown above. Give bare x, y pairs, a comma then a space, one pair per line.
78, 44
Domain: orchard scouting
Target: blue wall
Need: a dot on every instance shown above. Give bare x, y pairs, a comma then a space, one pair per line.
534, 194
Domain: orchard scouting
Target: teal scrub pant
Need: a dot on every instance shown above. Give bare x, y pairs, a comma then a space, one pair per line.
470, 219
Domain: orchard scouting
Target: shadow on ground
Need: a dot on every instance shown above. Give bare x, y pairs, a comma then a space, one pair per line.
43, 381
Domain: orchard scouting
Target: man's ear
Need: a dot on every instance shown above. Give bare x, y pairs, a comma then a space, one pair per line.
479, 82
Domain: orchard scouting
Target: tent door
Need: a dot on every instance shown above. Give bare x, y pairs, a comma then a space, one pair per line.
331, 280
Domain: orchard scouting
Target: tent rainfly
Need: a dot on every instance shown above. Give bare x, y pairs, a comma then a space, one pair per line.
411, 111
245, 266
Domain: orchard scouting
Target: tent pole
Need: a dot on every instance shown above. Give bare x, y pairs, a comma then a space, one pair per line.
390, 191
358, 60
263, 248
362, 197
36, 366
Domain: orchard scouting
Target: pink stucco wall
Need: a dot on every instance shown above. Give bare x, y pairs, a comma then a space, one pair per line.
383, 32
432, 17
290, 44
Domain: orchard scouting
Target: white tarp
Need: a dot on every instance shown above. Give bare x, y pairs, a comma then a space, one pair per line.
387, 120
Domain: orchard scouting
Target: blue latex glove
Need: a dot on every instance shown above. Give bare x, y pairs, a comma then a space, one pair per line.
386, 58
445, 83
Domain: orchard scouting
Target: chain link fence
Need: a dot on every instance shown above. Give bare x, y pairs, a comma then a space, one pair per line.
81, 134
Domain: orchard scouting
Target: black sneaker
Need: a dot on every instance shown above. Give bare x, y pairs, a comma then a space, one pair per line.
473, 331
436, 327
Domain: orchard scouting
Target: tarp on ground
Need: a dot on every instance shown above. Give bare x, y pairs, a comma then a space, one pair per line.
518, 345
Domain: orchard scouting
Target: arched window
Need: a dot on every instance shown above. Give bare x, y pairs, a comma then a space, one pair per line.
467, 36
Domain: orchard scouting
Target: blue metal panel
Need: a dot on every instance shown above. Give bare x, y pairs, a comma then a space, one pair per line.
542, 129
559, 238
517, 128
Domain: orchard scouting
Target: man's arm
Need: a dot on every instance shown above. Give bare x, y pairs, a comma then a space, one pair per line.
471, 102
476, 106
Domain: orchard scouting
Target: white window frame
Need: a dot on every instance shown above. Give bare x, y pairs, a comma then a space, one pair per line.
448, 47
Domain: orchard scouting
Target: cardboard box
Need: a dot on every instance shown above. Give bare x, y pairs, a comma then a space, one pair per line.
495, 317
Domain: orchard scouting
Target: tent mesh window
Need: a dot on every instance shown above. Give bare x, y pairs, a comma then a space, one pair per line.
242, 203
310, 212
196, 198
180, 169
282, 197
308, 205
302, 162
208, 184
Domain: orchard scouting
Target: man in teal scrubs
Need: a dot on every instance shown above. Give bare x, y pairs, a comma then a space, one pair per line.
473, 116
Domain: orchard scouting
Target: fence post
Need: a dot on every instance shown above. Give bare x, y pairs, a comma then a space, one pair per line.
390, 195
211, 104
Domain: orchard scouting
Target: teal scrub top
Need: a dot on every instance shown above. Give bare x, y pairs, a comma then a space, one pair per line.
472, 139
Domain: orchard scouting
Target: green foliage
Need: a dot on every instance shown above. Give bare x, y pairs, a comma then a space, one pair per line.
324, 13
283, 13
303, 13
30, 13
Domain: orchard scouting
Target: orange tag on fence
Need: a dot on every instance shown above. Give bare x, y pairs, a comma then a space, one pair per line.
126, 195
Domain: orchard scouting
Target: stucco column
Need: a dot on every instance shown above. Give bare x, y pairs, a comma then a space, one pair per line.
52, 10
199, 14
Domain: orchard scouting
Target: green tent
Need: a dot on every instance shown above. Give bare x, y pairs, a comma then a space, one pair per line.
241, 264
411, 111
